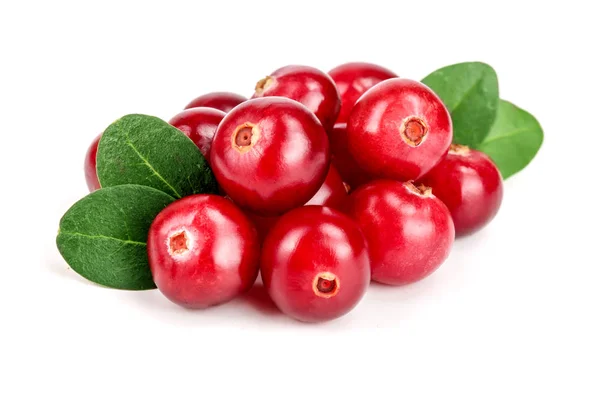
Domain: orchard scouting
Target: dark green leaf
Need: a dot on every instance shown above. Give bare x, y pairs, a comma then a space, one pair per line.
145, 150
470, 92
103, 236
514, 140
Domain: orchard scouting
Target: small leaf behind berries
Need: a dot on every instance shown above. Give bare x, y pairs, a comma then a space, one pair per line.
514, 140
103, 236
145, 150
470, 92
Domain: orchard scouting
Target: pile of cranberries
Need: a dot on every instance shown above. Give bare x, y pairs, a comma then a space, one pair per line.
327, 181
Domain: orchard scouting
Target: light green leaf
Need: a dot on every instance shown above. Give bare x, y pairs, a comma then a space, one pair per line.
470, 92
514, 140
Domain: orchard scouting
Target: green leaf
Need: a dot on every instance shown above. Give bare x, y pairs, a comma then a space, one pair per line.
470, 92
514, 140
144, 150
103, 236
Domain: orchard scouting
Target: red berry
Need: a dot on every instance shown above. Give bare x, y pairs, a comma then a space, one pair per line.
263, 224
270, 155
315, 264
355, 78
203, 251
333, 191
223, 101
348, 167
470, 185
200, 125
307, 85
409, 231
399, 129
89, 165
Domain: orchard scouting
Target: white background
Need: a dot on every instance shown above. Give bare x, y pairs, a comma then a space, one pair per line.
513, 313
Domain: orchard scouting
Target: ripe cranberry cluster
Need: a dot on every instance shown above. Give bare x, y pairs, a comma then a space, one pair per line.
327, 181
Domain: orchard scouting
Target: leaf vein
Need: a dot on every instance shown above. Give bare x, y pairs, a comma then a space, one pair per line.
124, 241
505, 135
467, 93
155, 172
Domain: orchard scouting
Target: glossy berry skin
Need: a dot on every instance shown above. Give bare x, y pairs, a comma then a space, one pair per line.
399, 129
307, 85
224, 101
200, 125
353, 79
470, 185
409, 231
270, 155
203, 251
89, 165
263, 224
349, 169
315, 264
332, 193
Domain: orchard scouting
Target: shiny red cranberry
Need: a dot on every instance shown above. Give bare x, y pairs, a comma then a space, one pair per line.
203, 251
349, 169
409, 231
89, 165
307, 85
224, 101
263, 224
355, 78
470, 185
315, 264
270, 155
200, 125
399, 129
332, 193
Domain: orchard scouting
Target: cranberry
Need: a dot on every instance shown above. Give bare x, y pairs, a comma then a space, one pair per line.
307, 85
89, 165
315, 264
399, 129
203, 251
355, 78
199, 124
470, 185
409, 231
263, 224
348, 167
332, 193
223, 101
270, 155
